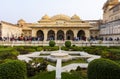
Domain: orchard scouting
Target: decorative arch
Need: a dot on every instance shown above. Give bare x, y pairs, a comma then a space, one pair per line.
51, 35
69, 35
40, 35
81, 35
60, 35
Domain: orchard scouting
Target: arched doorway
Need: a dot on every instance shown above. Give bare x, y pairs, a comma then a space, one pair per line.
51, 35
69, 35
81, 35
40, 35
60, 35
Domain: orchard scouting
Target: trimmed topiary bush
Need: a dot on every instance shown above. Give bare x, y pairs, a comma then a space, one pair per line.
103, 69
68, 44
52, 43
13, 69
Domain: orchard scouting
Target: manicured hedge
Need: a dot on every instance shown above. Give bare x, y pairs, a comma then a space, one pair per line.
39, 48
103, 69
25, 49
13, 69
76, 48
64, 48
113, 54
48, 48
8, 53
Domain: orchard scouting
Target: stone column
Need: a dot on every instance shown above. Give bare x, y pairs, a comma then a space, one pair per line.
34, 33
55, 35
65, 34
75, 32
87, 33
45, 34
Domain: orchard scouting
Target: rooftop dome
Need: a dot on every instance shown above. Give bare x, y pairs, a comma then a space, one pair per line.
45, 17
61, 17
75, 17
21, 21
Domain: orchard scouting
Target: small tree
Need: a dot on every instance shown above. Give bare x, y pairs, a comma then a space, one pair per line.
52, 43
103, 69
68, 44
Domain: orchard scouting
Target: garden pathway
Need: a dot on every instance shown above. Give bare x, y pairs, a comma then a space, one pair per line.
58, 68
65, 68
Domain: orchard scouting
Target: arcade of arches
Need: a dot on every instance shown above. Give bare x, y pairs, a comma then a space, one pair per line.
60, 35
58, 27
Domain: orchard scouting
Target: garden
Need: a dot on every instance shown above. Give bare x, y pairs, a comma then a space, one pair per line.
108, 67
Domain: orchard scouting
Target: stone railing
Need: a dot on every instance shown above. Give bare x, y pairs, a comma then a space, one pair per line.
45, 43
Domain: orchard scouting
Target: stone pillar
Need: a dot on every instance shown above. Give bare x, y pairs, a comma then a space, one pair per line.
55, 35
65, 34
75, 32
87, 33
45, 34
34, 33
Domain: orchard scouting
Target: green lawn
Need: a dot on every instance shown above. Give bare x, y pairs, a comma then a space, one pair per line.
79, 60
74, 75
44, 75
65, 75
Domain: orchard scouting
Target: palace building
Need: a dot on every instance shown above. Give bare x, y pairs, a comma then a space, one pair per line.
110, 29
58, 27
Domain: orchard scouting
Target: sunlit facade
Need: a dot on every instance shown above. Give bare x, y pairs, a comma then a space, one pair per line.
58, 27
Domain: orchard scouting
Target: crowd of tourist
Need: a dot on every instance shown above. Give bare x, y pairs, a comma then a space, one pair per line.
21, 38
29, 38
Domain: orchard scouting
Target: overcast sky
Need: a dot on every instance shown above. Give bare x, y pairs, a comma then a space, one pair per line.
33, 10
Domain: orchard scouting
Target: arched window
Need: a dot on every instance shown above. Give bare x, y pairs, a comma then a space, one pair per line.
81, 35
60, 35
51, 35
69, 35
40, 35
